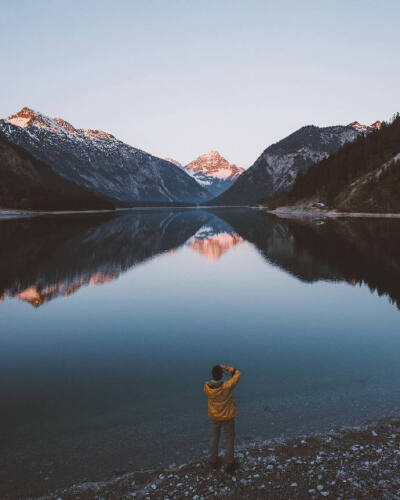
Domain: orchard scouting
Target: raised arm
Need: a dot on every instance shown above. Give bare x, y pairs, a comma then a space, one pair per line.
236, 374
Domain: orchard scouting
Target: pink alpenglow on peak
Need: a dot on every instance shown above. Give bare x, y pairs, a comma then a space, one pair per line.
214, 164
366, 128
96, 134
174, 162
212, 171
27, 118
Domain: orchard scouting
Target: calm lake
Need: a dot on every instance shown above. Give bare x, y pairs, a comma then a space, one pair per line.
109, 324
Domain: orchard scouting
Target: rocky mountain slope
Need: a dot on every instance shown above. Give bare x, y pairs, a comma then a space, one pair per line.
100, 162
362, 176
28, 183
276, 169
212, 171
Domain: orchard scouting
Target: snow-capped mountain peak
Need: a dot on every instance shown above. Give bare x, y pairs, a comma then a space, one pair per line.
365, 128
27, 118
212, 171
214, 164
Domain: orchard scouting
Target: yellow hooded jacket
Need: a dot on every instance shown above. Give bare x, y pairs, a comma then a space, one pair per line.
221, 405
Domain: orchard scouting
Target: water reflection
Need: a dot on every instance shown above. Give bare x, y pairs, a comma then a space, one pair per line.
213, 240
357, 251
45, 258
91, 380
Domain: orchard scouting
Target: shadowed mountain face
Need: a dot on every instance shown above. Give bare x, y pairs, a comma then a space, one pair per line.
28, 183
49, 257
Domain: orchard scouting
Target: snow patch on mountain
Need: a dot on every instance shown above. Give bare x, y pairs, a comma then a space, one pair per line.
213, 164
212, 171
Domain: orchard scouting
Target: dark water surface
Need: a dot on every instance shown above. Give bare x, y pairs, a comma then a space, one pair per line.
109, 324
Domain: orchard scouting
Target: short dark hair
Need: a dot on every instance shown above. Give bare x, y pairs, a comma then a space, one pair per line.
216, 372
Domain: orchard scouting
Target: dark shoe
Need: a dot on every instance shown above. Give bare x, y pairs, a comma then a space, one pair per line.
230, 468
214, 465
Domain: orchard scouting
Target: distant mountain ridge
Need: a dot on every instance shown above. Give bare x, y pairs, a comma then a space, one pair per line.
98, 161
103, 166
212, 171
277, 167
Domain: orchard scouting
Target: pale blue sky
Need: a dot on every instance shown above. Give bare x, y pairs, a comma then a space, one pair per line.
179, 77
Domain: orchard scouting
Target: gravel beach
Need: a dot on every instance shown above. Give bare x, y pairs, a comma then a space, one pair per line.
354, 463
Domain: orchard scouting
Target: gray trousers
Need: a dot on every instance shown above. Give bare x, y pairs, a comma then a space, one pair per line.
229, 429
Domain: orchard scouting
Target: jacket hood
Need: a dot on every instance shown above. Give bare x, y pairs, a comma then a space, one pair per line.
214, 385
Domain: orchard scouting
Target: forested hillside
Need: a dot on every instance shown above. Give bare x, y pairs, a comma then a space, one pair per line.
362, 175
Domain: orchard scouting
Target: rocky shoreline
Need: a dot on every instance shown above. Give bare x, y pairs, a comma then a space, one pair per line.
306, 211
362, 462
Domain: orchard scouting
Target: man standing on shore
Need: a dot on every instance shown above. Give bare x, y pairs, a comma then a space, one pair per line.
222, 412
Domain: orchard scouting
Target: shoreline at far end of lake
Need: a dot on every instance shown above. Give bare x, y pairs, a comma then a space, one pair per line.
316, 213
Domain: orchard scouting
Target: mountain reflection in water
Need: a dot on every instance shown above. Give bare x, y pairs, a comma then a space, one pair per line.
44, 258
214, 240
